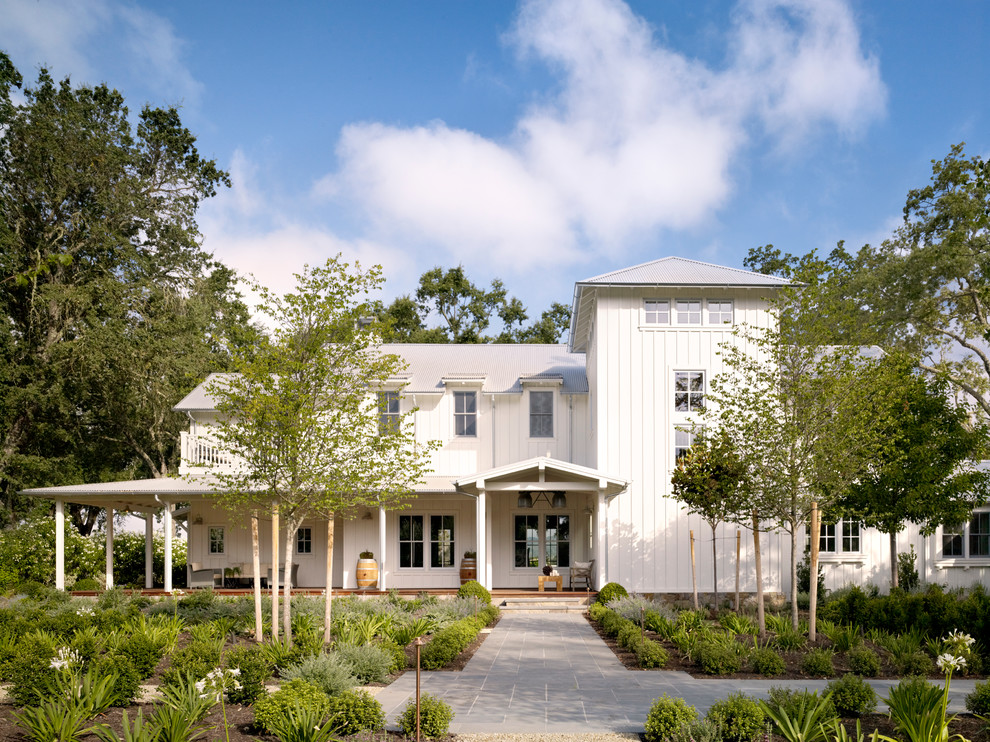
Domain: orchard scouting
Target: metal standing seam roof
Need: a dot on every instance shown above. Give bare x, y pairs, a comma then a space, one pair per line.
674, 271
502, 369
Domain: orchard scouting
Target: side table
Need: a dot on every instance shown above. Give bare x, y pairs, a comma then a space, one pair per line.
559, 579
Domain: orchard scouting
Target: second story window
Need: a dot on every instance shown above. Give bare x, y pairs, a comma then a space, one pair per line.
657, 312
541, 414
687, 311
720, 311
466, 413
683, 440
388, 412
689, 391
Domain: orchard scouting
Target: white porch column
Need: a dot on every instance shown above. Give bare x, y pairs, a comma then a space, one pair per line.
59, 545
381, 549
481, 531
601, 537
109, 548
149, 550
167, 522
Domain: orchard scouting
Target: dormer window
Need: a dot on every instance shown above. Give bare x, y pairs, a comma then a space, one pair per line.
720, 312
688, 311
657, 312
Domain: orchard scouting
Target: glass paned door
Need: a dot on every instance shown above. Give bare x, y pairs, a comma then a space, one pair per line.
527, 541
542, 540
557, 538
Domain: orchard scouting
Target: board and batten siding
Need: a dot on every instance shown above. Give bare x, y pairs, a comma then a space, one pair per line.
631, 369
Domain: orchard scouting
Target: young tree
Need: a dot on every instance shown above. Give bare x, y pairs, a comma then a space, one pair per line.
925, 477
302, 418
708, 480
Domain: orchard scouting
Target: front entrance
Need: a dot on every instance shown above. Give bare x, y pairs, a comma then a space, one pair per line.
541, 539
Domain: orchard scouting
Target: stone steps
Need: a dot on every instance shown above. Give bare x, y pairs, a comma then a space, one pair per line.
547, 604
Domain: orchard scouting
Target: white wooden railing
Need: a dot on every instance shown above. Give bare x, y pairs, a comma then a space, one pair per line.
199, 451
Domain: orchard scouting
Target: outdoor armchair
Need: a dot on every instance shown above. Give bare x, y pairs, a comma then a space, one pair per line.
581, 572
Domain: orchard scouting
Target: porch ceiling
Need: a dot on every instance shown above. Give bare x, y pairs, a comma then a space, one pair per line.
541, 473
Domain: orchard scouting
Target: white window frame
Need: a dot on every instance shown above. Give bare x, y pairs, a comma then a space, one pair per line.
966, 534
840, 533
211, 541
688, 374
686, 315
717, 316
465, 418
656, 311
388, 412
684, 438
536, 415
542, 542
427, 541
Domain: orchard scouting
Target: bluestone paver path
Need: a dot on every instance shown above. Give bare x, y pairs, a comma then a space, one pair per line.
550, 672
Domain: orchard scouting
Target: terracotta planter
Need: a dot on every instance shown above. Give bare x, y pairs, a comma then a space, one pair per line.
469, 569
367, 573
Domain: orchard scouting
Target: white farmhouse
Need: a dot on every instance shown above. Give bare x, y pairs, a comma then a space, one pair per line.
551, 455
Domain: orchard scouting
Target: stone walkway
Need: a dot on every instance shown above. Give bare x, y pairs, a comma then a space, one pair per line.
551, 673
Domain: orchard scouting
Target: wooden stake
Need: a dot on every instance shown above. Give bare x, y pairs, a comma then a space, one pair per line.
761, 618
738, 552
274, 585
813, 574
694, 574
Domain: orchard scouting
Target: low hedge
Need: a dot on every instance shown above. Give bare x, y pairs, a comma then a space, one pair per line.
450, 641
629, 635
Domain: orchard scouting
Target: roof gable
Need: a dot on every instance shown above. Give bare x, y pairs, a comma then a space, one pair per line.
674, 271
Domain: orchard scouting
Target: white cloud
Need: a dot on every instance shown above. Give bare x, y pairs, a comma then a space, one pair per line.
639, 138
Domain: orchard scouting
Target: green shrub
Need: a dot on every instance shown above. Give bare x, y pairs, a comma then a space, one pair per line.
629, 633
667, 715
818, 663
127, 686
474, 589
610, 592
611, 623
434, 717
269, 709
651, 654
700, 730
450, 641
331, 673
852, 696
597, 610
197, 659
907, 573
978, 702
767, 662
717, 659
789, 702
864, 661
353, 711
740, 717
31, 673
86, 584
370, 663
915, 663
143, 653
255, 671
397, 653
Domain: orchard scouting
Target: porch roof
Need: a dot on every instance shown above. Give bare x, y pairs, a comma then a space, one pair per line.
541, 473
136, 495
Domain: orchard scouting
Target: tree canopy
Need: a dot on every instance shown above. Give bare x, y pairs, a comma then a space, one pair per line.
114, 309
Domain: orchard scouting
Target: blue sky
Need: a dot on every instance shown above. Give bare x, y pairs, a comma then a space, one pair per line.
541, 142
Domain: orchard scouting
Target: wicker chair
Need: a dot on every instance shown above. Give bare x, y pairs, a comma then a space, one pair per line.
582, 572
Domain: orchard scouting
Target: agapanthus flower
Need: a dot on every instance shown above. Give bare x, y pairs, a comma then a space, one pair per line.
949, 662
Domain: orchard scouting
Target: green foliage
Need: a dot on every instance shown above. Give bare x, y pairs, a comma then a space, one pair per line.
255, 671
27, 552
767, 662
790, 640
397, 653
434, 717
915, 663
667, 716
917, 710
699, 730
127, 681
597, 611
31, 673
185, 700
852, 696
282, 655
818, 663
864, 661
270, 709
450, 641
978, 702
128, 559
610, 592
740, 717
331, 673
86, 584
137, 731
799, 716
907, 571
303, 724
717, 659
474, 589
804, 575
196, 659
54, 721
651, 654
143, 653
369, 663
354, 711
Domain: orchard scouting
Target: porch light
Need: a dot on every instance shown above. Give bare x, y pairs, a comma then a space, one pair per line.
525, 500
559, 500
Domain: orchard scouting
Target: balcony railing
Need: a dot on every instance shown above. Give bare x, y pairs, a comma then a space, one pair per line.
202, 451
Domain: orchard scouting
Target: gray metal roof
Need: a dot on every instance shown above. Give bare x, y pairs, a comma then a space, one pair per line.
674, 271
500, 368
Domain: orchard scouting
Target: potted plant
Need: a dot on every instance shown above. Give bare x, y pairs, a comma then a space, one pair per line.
469, 566
367, 570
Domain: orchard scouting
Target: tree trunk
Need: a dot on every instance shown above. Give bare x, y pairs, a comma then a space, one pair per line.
794, 606
893, 560
259, 629
694, 574
715, 567
274, 585
329, 599
813, 578
291, 526
761, 618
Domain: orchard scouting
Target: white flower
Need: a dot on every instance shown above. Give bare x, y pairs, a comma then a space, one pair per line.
200, 686
84, 612
959, 639
235, 671
950, 662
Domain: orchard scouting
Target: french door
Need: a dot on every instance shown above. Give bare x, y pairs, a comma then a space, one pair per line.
541, 539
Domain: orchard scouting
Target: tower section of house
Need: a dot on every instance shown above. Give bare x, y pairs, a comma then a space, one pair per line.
652, 336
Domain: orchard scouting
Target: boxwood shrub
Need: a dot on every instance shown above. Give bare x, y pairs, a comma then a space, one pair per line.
667, 715
451, 640
269, 709
610, 592
354, 711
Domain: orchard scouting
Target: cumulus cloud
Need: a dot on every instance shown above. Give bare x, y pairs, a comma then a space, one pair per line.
638, 138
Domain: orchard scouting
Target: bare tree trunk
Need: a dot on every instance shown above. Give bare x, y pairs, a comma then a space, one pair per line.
329, 600
715, 567
738, 550
813, 574
259, 629
274, 585
761, 618
290, 532
893, 560
694, 573
794, 606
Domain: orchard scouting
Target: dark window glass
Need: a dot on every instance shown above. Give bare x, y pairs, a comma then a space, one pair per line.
441, 540
465, 413
541, 414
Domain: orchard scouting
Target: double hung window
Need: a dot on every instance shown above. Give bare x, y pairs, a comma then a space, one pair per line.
540, 414
968, 540
683, 440
216, 540
304, 540
388, 412
422, 534
687, 311
466, 414
843, 537
689, 391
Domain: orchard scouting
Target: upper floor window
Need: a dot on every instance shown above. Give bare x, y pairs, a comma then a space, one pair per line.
967, 539
388, 412
304, 540
466, 413
541, 414
840, 538
657, 312
683, 440
689, 391
687, 311
720, 311
216, 540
